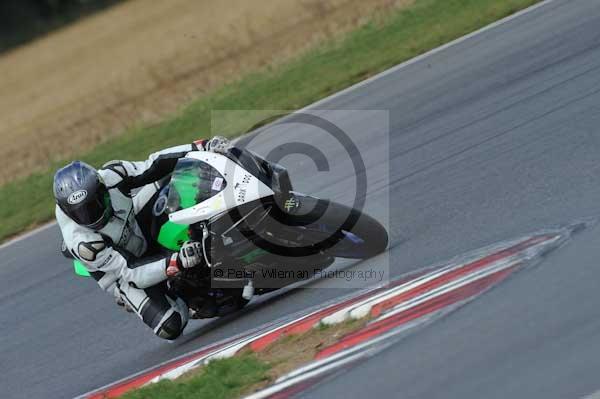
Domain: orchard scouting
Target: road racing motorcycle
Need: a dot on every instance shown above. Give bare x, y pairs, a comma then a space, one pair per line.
258, 234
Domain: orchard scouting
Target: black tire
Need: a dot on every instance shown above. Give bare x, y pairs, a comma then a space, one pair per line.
315, 213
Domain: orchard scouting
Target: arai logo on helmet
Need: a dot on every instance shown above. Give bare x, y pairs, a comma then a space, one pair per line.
77, 197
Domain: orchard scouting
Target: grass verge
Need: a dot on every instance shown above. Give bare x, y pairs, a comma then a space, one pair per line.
248, 372
220, 379
376, 46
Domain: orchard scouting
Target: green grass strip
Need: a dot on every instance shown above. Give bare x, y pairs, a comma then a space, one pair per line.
324, 70
220, 379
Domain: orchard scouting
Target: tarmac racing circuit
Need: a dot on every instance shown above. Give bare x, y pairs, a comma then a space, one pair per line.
493, 137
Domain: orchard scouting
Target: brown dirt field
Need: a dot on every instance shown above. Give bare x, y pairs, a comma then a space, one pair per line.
142, 60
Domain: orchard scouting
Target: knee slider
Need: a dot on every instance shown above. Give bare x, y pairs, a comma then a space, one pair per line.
171, 328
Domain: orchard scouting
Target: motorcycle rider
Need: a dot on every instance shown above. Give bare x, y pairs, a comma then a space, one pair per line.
105, 226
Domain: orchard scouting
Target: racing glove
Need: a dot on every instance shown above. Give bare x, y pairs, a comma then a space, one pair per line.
189, 255
218, 144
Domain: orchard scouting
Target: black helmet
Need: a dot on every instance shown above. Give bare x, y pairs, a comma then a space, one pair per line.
82, 195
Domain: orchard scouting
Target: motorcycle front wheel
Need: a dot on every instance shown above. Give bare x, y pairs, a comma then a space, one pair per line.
338, 230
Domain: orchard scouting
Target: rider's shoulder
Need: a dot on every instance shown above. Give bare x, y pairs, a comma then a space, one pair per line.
117, 166
113, 172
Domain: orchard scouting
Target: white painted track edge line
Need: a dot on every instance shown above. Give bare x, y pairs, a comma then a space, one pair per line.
27, 234
428, 54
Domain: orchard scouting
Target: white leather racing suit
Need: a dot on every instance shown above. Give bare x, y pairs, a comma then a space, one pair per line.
108, 253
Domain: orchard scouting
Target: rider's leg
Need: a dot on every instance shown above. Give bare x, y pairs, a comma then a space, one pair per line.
165, 314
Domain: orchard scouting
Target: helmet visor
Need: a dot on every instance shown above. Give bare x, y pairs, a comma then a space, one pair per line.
95, 211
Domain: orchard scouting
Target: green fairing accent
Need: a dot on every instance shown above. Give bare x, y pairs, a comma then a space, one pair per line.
186, 183
253, 255
172, 235
80, 269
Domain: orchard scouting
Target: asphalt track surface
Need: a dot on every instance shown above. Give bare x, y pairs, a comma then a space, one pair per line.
491, 138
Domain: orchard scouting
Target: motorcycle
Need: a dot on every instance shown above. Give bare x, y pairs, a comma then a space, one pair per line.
258, 234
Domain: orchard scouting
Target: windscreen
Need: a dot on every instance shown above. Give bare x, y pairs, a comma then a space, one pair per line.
192, 182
